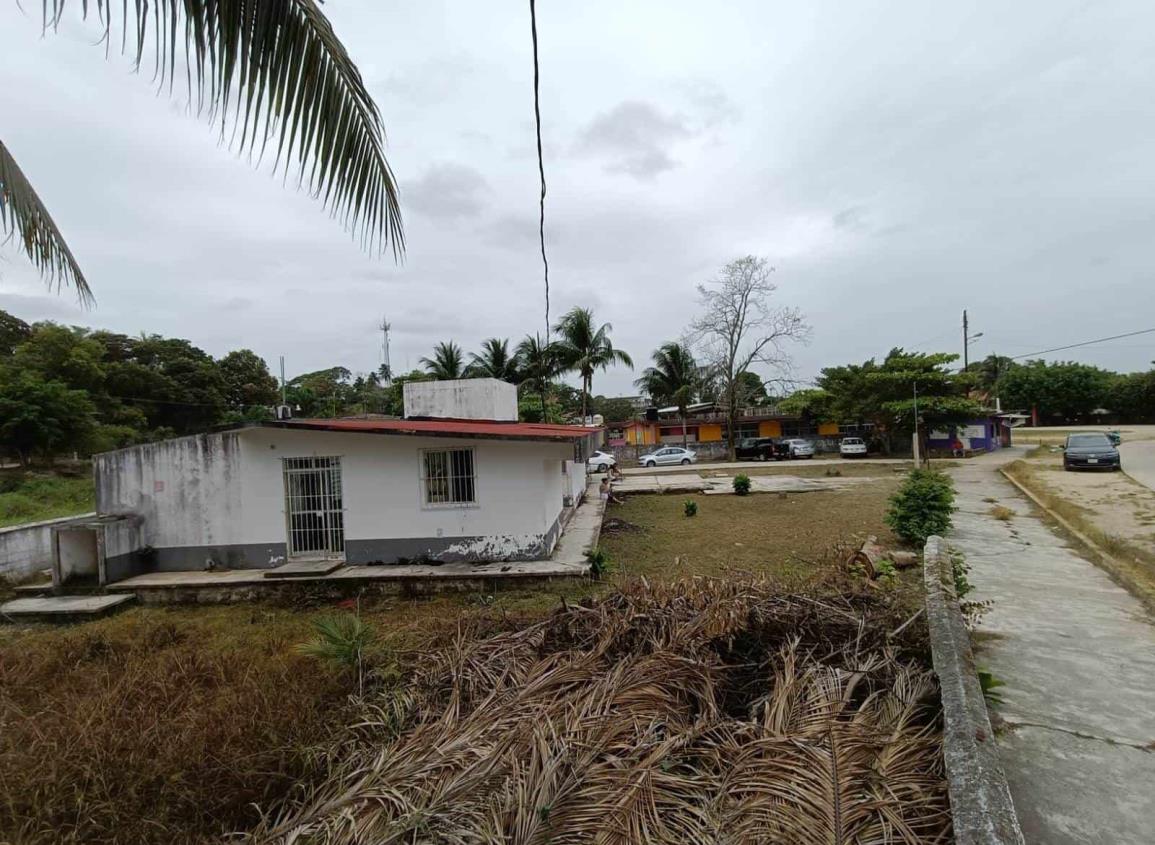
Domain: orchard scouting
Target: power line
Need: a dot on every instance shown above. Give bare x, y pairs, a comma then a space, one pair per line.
540, 160
1084, 343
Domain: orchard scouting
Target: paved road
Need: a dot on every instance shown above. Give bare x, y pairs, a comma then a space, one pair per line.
1077, 654
1138, 457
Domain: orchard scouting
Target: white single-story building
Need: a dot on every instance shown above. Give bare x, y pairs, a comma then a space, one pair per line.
458, 479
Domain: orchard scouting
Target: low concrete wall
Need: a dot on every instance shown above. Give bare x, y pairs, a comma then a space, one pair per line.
27, 548
980, 799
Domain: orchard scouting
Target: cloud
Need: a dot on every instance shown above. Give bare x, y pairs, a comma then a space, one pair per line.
635, 138
447, 191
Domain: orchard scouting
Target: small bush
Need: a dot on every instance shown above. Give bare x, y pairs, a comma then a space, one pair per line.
833, 472
599, 563
341, 640
741, 484
922, 506
690, 507
887, 571
1001, 513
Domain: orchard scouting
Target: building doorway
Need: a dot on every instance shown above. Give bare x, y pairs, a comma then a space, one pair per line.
314, 507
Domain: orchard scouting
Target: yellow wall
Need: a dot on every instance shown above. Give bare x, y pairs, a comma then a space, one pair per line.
826, 429
709, 433
769, 428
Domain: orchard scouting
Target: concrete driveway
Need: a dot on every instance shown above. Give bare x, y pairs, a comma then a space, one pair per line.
1138, 457
1077, 654
712, 465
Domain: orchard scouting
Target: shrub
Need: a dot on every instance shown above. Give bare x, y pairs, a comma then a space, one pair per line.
922, 506
1001, 513
341, 640
690, 507
741, 484
599, 563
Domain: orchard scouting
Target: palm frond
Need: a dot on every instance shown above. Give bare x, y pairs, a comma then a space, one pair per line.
270, 71
24, 217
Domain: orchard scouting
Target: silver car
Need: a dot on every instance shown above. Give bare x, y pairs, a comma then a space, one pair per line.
668, 456
800, 448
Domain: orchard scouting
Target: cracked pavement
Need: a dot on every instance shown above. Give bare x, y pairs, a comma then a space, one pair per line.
1077, 654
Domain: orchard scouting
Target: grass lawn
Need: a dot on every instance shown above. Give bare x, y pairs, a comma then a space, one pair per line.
32, 496
168, 724
782, 535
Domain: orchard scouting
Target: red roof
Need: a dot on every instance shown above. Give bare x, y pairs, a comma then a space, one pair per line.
493, 430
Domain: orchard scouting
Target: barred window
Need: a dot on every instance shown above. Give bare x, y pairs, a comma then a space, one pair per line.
448, 477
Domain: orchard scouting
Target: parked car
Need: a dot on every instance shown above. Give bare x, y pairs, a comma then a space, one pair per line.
668, 456
799, 448
600, 461
1090, 450
852, 447
755, 448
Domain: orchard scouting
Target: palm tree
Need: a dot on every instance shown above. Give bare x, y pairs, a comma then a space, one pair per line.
447, 362
674, 378
583, 349
276, 72
494, 361
539, 365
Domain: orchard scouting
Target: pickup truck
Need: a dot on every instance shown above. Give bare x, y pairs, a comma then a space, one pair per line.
761, 449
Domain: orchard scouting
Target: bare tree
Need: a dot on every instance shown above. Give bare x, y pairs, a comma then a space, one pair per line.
739, 329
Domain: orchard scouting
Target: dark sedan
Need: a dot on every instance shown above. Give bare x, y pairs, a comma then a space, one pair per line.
1090, 451
755, 448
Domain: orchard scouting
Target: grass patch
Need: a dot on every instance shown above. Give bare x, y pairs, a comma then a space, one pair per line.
1132, 565
809, 469
27, 496
1003, 514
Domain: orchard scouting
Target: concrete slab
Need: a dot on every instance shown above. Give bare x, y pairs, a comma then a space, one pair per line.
62, 608
300, 568
1077, 654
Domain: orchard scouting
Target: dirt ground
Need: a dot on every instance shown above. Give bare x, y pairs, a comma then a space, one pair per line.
809, 469
1057, 434
1117, 505
765, 534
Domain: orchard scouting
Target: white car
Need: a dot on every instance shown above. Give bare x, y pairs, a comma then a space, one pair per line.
668, 456
800, 448
852, 447
600, 461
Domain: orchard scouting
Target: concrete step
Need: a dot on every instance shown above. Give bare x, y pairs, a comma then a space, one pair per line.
304, 568
62, 608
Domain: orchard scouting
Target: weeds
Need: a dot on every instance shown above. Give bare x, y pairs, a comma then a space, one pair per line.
1001, 513
990, 685
36, 496
599, 563
690, 507
341, 640
741, 484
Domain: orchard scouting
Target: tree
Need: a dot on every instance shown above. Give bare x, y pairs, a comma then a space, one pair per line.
739, 328
1131, 396
13, 332
884, 394
447, 362
494, 361
750, 388
613, 408
247, 380
322, 393
42, 417
539, 366
1065, 391
300, 90
582, 348
673, 378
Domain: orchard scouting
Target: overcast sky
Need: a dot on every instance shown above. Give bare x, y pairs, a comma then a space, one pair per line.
896, 162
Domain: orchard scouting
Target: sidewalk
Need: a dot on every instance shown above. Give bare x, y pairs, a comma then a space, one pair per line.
1077, 655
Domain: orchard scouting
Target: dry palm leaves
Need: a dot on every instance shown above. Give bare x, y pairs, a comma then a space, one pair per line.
704, 712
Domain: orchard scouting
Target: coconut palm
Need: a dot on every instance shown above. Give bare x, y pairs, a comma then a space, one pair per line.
674, 378
539, 365
582, 348
494, 361
447, 361
274, 76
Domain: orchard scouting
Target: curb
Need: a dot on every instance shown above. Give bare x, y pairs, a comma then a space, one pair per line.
980, 799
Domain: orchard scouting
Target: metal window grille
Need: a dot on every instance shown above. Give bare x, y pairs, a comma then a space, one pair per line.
448, 477
314, 507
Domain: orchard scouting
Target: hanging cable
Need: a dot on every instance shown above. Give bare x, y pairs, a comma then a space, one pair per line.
540, 160
1084, 343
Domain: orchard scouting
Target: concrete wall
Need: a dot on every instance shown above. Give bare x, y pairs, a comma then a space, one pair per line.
187, 493
25, 549
221, 497
462, 399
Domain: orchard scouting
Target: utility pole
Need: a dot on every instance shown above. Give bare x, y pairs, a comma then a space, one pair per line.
966, 342
283, 402
386, 370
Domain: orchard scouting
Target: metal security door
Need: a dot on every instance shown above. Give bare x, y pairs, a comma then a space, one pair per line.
314, 510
